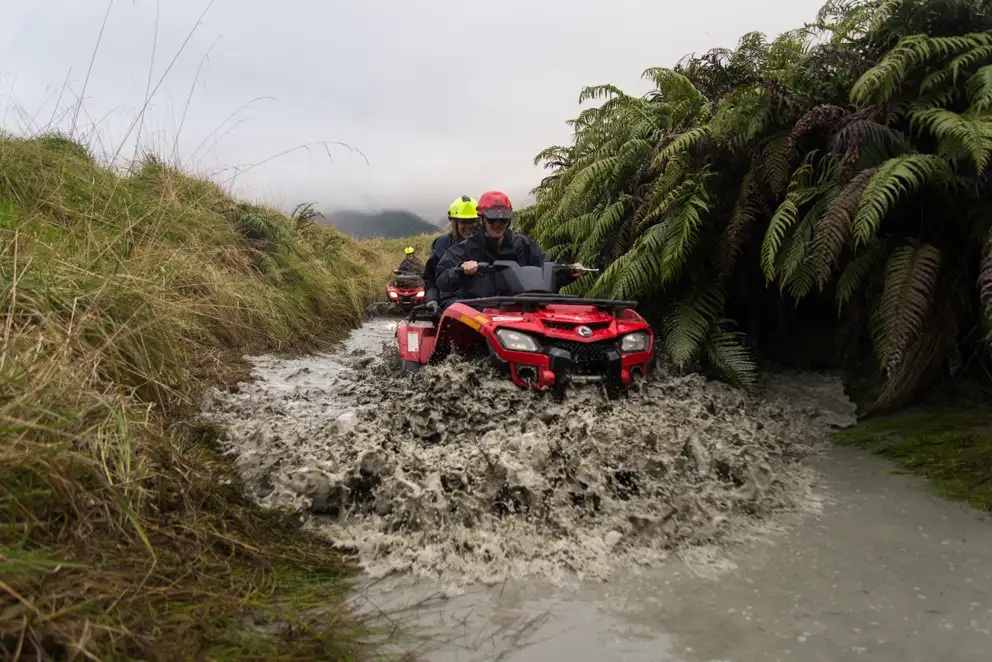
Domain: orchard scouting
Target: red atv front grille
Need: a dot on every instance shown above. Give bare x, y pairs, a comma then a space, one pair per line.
589, 357
568, 326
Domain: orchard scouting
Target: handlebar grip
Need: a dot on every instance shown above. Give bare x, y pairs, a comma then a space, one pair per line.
481, 268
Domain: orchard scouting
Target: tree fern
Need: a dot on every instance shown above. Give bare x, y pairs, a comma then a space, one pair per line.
832, 144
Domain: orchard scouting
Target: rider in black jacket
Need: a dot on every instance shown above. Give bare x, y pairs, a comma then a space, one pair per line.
457, 273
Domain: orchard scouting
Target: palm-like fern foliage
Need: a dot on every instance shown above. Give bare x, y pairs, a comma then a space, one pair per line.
846, 160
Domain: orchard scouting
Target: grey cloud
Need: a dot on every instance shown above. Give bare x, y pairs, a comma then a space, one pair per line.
444, 97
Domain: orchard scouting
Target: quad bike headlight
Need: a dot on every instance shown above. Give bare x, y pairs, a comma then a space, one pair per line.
420, 294
516, 341
393, 295
638, 341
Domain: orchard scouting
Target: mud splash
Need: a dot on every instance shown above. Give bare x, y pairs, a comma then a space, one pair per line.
457, 475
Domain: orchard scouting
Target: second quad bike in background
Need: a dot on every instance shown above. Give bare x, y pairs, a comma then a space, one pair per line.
405, 291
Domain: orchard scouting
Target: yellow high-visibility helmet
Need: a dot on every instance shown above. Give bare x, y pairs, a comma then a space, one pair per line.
463, 207
408, 250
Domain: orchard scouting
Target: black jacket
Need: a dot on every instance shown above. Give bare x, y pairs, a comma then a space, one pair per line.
438, 249
516, 247
411, 266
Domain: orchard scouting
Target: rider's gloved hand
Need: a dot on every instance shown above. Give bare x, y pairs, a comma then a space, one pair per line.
470, 267
432, 306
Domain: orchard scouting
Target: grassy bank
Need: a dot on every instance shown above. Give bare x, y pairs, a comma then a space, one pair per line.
123, 535
951, 447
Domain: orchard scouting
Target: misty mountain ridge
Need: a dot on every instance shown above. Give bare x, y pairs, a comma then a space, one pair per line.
388, 223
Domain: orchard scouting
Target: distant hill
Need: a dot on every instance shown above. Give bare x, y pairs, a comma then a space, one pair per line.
389, 223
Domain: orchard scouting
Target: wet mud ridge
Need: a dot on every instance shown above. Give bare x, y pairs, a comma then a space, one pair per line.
457, 474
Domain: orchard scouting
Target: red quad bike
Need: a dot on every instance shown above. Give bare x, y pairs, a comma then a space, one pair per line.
405, 291
540, 338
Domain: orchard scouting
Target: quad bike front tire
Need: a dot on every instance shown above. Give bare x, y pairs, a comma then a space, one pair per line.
408, 368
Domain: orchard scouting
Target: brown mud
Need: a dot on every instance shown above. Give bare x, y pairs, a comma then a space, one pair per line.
457, 475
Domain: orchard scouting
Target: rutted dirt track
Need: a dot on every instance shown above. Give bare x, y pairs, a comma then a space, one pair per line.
454, 479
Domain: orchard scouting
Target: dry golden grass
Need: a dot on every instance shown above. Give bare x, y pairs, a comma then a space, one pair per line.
123, 535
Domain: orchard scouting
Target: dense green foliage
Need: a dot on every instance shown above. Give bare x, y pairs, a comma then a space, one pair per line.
834, 178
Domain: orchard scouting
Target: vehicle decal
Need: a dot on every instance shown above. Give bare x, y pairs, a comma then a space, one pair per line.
470, 322
412, 341
504, 318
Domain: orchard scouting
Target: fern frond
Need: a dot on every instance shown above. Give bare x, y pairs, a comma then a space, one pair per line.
793, 265
980, 90
826, 116
910, 282
879, 84
683, 143
897, 176
659, 255
776, 165
674, 87
596, 92
746, 213
868, 135
858, 271
922, 360
727, 351
688, 323
834, 229
881, 13
985, 283
785, 216
605, 222
972, 132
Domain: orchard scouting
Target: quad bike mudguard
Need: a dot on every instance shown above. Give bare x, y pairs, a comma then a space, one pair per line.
565, 338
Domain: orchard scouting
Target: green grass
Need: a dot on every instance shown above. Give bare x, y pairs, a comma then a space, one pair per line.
951, 447
123, 534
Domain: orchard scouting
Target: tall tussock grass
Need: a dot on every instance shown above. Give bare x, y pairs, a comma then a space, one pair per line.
122, 533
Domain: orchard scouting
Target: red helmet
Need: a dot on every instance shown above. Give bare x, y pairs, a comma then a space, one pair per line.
495, 204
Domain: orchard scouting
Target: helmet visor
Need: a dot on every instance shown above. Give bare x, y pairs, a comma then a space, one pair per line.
493, 213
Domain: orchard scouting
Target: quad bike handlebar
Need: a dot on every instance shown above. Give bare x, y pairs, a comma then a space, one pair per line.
486, 267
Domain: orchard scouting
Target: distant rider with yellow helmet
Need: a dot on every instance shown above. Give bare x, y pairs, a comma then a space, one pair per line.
463, 219
411, 264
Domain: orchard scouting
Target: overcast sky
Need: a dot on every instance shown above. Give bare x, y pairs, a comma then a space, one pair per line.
443, 97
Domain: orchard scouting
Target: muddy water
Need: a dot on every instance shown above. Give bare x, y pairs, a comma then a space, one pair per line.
765, 548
